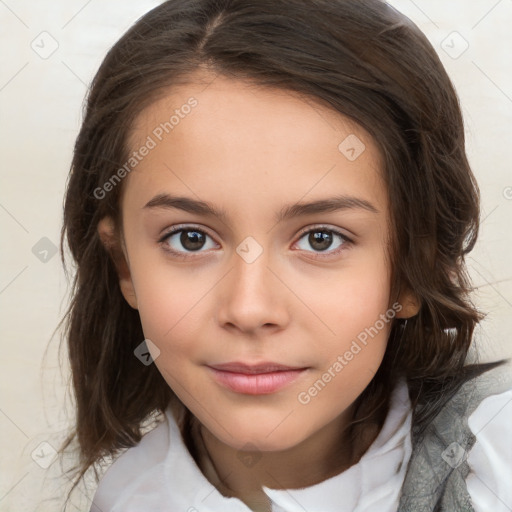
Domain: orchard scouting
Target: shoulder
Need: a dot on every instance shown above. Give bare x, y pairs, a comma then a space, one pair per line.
131, 465
454, 454
490, 459
159, 474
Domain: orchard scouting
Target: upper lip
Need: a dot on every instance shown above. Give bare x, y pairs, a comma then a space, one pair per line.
265, 367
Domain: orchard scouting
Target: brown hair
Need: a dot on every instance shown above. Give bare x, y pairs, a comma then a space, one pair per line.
361, 58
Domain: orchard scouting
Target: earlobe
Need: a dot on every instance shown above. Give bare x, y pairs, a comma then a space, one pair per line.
410, 304
112, 243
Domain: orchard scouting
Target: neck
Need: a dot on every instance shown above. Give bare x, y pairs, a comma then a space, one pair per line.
242, 474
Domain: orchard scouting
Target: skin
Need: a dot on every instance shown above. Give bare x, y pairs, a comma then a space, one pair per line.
250, 151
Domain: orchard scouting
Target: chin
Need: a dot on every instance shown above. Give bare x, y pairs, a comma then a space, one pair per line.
262, 439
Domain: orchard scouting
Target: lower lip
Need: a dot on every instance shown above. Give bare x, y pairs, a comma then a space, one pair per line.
256, 384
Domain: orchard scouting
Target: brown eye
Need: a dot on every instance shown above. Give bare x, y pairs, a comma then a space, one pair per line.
192, 240
323, 240
186, 240
320, 240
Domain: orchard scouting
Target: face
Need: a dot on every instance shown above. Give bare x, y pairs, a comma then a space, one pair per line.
259, 277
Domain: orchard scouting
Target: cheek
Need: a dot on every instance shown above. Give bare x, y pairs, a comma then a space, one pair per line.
170, 319
167, 297
170, 323
360, 318
351, 301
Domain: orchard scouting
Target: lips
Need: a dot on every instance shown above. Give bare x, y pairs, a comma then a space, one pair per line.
255, 379
252, 369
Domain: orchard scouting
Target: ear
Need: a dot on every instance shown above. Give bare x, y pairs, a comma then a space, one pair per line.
111, 240
410, 304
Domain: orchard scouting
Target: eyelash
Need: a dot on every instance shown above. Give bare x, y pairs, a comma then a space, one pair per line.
320, 228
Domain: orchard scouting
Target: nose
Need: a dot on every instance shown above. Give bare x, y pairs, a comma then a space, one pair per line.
252, 298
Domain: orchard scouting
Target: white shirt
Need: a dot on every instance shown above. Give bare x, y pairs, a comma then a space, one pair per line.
160, 475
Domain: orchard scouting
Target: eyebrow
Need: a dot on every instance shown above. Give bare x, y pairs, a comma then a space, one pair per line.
331, 204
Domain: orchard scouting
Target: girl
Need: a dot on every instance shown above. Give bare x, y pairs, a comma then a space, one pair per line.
269, 209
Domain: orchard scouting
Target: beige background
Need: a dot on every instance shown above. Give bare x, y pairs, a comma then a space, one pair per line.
40, 108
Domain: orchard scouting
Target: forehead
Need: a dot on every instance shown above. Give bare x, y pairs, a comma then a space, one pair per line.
238, 142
